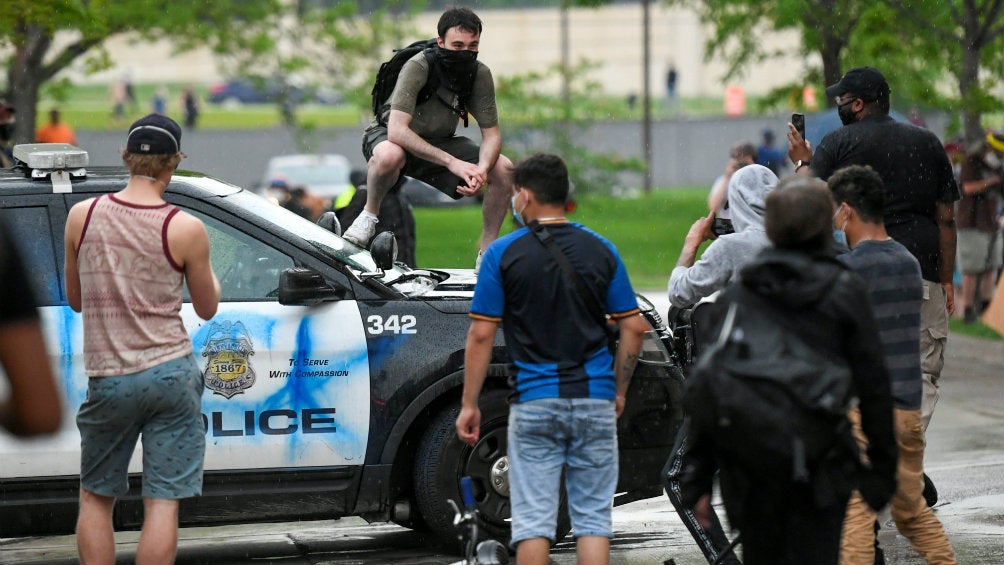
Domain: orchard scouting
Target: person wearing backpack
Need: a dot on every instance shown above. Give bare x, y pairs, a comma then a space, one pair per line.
414, 128
896, 291
693, 280
767, 402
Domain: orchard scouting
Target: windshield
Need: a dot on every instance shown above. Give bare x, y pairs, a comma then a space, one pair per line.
312, 174
334, 246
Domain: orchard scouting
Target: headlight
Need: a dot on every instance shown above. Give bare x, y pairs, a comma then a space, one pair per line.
653, 351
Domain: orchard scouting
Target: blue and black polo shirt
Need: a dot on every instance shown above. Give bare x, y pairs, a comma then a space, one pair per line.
559, 349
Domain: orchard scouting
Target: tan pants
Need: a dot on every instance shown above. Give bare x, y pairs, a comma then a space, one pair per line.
909, 510
933, 337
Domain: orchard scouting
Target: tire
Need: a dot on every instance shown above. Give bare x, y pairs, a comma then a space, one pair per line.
442, 460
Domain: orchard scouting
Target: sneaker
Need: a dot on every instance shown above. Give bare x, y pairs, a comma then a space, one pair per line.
477, 262
361, 231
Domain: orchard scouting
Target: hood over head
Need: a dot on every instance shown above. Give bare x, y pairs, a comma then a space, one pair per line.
791, 277
748, 190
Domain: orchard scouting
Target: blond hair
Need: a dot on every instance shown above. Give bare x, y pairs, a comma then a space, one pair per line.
150, 165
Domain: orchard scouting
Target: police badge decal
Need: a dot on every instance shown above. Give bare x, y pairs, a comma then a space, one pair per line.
227, 369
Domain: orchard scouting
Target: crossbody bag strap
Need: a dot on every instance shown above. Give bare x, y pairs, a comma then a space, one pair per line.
587, 295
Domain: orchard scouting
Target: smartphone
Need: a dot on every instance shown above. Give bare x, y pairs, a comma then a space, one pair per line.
721, 226
798, 120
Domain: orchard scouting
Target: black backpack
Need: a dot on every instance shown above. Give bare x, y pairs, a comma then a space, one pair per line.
769, 400
386, 79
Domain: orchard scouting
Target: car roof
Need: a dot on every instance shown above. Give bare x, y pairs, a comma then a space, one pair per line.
16, 181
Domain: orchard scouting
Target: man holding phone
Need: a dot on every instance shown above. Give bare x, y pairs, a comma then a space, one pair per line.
920, 191
693, 280
741, 154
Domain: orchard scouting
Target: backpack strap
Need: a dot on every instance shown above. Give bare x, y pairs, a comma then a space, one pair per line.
571, 275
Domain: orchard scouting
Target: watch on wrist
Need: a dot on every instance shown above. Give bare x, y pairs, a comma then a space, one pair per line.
801, 164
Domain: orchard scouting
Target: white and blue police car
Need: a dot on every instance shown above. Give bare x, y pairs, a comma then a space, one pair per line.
332, 382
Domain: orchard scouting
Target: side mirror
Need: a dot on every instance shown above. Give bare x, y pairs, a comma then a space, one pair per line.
306, 287
329, 221
384, 250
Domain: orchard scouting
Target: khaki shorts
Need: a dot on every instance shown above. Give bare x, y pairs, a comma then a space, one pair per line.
433, 174
979, 251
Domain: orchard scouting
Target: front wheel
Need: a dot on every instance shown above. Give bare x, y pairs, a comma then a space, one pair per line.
442, 460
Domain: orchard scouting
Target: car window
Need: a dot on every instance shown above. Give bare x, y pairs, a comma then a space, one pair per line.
36, 249
247, 268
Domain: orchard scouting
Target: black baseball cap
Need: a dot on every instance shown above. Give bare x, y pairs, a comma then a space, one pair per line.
154, 134
865, 82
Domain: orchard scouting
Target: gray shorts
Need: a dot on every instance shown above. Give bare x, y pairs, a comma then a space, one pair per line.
162, 403
979, 251
433, 174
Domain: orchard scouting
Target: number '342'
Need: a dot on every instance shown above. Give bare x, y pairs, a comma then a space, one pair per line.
391, 324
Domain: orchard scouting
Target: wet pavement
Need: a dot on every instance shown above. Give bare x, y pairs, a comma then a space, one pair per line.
965, 458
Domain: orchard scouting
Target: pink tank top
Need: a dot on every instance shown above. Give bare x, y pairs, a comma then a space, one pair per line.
130, 289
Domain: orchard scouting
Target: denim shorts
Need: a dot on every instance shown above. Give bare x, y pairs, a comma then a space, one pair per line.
163, 404
579, 434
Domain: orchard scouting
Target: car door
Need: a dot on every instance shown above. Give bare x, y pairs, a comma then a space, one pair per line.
286, 386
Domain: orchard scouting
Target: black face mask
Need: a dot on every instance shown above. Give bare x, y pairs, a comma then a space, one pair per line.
457, 69
847, 115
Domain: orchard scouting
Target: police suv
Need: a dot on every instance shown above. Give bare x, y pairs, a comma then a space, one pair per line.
332, 375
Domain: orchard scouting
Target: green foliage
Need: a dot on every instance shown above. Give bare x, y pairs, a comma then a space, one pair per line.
536, 120
29, 28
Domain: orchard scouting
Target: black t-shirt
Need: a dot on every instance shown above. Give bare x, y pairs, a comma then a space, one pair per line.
916, 172
16, 299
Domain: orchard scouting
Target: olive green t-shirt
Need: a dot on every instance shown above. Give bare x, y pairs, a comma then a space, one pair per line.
433, 119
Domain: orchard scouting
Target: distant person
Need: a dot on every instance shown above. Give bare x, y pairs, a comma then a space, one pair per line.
896, 292
130, 92
6, 133
978, 220
769, 155
741, 154
119, 96
190, 102
56, 131
159, 101
127, 256
569, 388
33, 405
789, 519
419, 139
671, 76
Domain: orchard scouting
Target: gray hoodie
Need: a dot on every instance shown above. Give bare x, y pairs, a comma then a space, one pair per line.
726, 256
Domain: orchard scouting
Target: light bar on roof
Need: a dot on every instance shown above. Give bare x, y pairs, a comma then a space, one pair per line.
51, 156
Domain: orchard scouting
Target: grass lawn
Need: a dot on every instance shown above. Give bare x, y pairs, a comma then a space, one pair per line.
648, 231
90, 108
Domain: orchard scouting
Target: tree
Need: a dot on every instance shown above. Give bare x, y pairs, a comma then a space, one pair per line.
29, 29
826, 27
963, 39
323, 46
